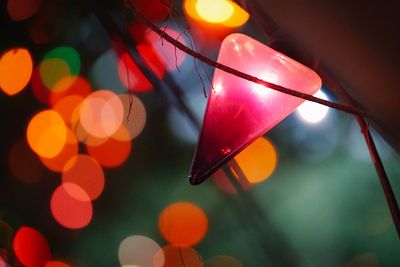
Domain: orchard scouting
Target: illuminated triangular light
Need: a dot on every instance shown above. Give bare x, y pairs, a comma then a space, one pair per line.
239, 111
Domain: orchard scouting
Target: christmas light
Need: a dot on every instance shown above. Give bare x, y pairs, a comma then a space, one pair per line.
239, 111
16, 68
313, 113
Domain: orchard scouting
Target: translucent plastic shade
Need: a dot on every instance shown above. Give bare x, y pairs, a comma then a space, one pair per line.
240, 111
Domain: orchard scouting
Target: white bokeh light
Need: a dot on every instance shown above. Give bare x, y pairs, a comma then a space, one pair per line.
311, 112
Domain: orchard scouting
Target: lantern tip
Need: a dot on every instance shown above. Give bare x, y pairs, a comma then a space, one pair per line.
195, 177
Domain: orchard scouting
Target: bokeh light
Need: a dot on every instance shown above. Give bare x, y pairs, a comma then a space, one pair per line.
105, 72
47, 133
64, 83
154, 10
59, 68
16, 68
214, 11
152, 59
258, 161
3, 263
86, 172
101, 113
69, 55
22, 9
80, 87
57, 264
68, 108
223, 261
131, 76
221, 12
136, 120
54, 71
311, 112
171, 56
178, 256
84, 137
71, 207
183, 224
69, 150
31, 248
138, 250
24, 164
113, 152
40, 91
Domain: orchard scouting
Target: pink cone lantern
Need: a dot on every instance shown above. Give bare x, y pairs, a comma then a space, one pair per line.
240, 111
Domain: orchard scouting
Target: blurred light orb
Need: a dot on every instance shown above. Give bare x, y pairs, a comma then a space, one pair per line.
138, 250
16, 67
40, 91
31, 248
223, 261
153, 10
135, 121
71, 207
131, 76
68, 108
59, 68
105, 72
3, 263
176, 256
214, 11
152, 59
101, 113
85, 172
258, 161
183, 224
67, 54
113, 152
221, 12
69, 150
53, 71
56, 264
47, 133
63, 84
22, 9
311, 112
171, 56
79, 87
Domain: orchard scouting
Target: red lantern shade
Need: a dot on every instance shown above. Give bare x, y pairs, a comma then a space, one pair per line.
240, 111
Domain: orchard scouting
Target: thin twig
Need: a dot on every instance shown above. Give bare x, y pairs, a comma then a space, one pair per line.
187, 50
375, 158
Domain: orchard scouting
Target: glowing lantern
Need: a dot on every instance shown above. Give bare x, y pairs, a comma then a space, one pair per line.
212, 20
239, 111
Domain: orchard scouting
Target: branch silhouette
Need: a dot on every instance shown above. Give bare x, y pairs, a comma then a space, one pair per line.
345, 108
